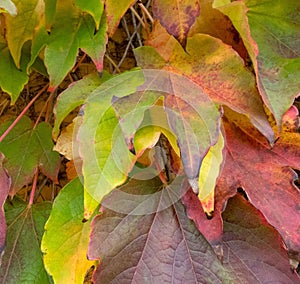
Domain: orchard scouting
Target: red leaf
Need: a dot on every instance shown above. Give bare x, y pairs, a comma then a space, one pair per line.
265, 175
253, 250
151, 239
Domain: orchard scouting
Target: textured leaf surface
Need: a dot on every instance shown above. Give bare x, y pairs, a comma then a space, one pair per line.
65, 253
265, 175
163, 244
219, 70
4, 187
115, 10
22, 261
106, 158
74, 96
253, 250
209, 173
27, 148
272, 41
177, 16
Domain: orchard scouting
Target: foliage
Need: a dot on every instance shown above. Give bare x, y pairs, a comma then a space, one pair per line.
191, 157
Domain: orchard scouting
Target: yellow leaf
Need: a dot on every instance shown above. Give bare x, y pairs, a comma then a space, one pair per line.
209, 172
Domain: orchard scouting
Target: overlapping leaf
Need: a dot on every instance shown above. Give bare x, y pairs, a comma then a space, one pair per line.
152, 227
219, 70
4, 187
177, 16
106, 158
22, 261
265, 175
65, 253
253, 250
27, 148
74, 96
272, 40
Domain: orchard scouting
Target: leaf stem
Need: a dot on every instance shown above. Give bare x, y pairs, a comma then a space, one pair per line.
22, 113
32, 193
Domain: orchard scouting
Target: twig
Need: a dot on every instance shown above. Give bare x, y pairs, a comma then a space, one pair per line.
22, 113
43, 109
138, 17
113, 63
144, 9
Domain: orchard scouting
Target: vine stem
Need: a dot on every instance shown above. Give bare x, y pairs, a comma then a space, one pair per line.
22, 113
32, 193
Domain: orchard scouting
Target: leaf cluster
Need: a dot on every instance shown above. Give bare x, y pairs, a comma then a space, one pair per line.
185, 167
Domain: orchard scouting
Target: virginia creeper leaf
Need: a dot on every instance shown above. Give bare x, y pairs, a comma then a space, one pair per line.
272, 41
106, 158
4, 187
21, 28
74, 96
72, 30
65, 253
12, 79
253, 250
213, 67
115, 10
22, 261
265, 176
94, 8
209, 173
8, 6
27, 148
163, 244
177, 16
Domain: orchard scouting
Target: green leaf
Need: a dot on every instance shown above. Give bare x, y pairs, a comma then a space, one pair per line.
94, 44
50, 9
146, 221
115, 10
8, 6
22, 261
27, 148
71, 30
272, 41
21, 28
65, 253
106, 158
177, 16
93, 7
74, 96
209, 173
12, 79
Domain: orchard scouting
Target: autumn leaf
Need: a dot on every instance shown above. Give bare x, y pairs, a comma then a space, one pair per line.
65, 257
4, 186
27, 148
265, 175
177, 16
218, 70
105, 155
152, 227
8, 7
272, 41
23, 259
253, 250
